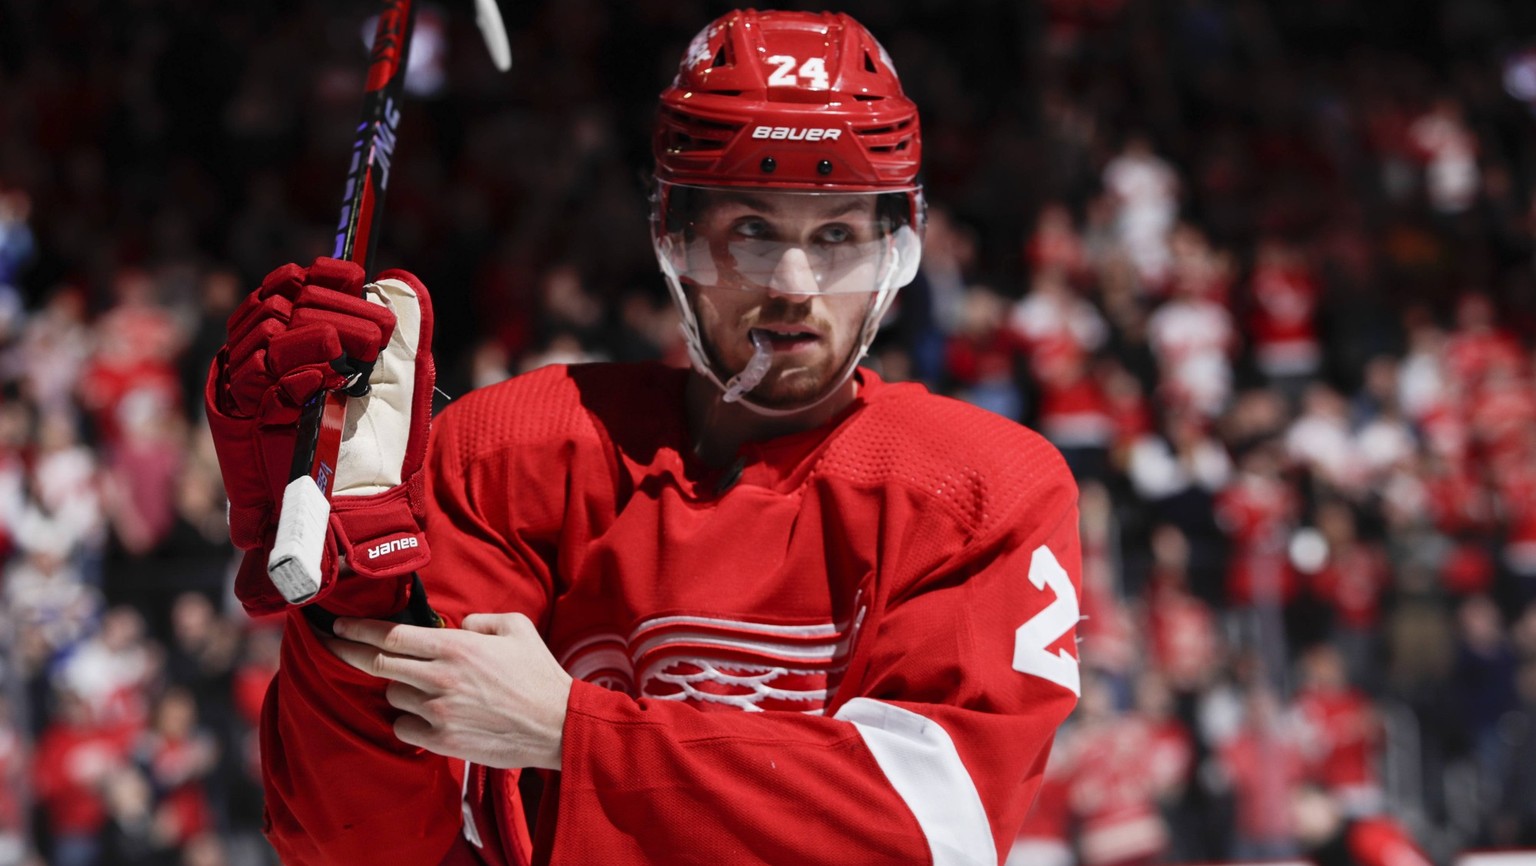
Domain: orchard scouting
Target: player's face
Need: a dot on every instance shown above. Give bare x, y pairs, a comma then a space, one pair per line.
797, 272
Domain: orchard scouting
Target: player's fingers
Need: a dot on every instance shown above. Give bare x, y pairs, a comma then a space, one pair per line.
414, 731
338, 276
394, 637
361, 337
375, 662
253, 325
283, 282
359, 656
302, 345
497, 623
403, 696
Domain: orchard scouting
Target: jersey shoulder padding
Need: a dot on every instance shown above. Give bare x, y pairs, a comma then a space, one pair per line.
567, 405
974, 463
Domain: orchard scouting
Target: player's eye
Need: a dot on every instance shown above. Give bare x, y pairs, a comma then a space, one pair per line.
752, 228
834, 234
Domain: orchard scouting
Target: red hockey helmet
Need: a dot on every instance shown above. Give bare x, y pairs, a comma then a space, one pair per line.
787, 100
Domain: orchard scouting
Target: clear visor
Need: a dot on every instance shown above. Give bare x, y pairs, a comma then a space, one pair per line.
790, 242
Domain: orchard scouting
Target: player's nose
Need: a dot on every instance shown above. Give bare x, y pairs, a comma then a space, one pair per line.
794, 275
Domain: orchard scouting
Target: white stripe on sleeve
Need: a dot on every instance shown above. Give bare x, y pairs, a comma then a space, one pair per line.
920, 761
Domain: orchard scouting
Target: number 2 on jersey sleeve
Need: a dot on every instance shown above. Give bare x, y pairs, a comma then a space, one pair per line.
1030, 641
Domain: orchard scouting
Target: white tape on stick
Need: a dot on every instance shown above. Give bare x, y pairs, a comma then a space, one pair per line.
488, 18
294, 565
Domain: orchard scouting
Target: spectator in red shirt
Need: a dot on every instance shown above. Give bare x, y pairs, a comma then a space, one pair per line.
75, 756
982, 355
1457, 500
1114, 789
177, 756
1074, 412
1107, 636
253, 675
1258, 512
1179, 628
134, 363
1282, 326
1478, 344
1263, 765
1351, 581
1192, 333
1125, 400
1053, 318
1055, 244
1502, 410
1340, 733
1171, 756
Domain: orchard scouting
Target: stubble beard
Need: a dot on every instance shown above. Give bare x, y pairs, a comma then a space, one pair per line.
795, 386
793, 381
790, 382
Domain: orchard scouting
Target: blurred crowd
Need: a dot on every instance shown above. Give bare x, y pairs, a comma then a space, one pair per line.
1264, 271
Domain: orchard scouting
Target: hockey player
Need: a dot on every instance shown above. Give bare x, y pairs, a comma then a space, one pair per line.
771, 609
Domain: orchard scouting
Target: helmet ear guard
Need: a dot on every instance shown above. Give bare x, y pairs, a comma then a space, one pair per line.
907, 241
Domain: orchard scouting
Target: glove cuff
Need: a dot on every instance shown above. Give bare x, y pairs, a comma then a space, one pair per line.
416, 610
379, 535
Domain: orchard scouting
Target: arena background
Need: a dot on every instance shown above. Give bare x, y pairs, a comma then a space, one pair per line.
1263, 270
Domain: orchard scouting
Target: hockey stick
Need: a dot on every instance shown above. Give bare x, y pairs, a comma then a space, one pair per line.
294, 563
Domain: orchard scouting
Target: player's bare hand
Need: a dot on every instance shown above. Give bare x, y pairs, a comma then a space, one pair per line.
489, 692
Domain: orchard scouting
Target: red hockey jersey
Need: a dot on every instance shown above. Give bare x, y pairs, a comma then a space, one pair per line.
854, 645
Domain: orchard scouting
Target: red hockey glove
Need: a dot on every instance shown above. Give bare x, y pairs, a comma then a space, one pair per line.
302, 332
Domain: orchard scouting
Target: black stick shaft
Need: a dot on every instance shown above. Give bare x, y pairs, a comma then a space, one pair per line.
373, 148
373, 151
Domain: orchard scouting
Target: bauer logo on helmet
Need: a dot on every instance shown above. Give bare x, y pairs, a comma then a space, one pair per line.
796, 133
